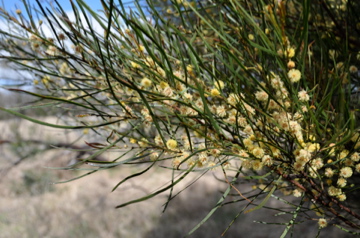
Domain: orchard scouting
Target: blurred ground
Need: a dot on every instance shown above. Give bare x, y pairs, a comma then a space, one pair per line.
32, 206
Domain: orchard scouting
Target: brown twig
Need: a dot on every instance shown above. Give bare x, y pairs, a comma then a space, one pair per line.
323, 198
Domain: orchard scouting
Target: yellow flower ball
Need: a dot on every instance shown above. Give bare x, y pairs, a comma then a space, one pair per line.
171, 144
214, 92
294, 75
346, 172
322, 223
145, 82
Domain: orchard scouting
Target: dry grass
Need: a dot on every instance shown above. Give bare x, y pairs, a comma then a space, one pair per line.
31, 206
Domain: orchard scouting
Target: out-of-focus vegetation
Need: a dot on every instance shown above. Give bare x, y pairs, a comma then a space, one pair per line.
264, 92
20, 101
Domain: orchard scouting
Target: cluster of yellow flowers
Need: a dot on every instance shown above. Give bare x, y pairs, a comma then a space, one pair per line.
200, 119
255, 149
263, 131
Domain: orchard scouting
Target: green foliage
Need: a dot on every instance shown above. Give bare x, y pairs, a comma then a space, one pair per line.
37, 182
259, 90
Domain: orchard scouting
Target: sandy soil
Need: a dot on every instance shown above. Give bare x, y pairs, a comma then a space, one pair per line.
33, 206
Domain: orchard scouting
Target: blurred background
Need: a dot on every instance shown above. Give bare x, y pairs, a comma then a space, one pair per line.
32, 205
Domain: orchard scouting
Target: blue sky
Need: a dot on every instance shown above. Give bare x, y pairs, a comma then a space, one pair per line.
9, 76
6, 74
65, 4
12, 5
